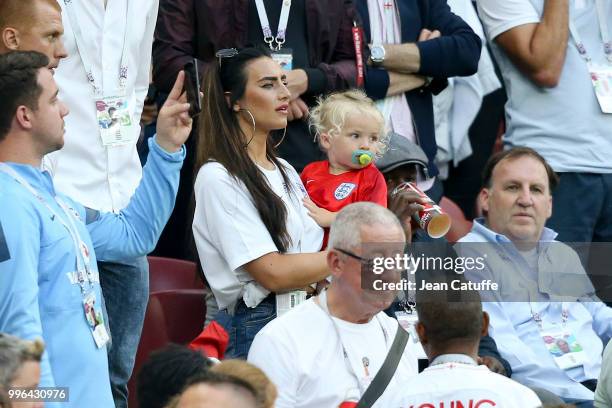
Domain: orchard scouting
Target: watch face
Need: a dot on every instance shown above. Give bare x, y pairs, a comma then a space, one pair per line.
377, 53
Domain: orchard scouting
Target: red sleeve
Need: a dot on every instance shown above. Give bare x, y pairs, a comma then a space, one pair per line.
304, 174
375, 189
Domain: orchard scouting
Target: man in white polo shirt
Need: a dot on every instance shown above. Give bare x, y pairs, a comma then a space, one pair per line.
104, 82
329, 349
450, 326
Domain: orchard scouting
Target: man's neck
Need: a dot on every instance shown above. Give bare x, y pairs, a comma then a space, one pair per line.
345, 308
18, 153
470, 351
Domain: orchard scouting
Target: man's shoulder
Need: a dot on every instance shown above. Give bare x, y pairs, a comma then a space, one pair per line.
15, 199
479, 378
297, 322
472, 236
512, 389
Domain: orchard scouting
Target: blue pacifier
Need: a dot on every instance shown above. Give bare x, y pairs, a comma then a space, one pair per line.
362, 157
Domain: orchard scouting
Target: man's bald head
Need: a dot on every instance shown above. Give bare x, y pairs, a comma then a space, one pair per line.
32, 25
21, 13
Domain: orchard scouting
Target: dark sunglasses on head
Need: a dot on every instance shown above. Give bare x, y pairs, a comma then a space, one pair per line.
226, 53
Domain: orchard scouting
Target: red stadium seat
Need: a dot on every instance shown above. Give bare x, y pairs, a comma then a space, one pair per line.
184, 313
461, 226
171, 274
172, 316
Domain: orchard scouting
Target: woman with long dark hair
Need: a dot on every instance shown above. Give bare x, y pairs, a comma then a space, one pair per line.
255, 240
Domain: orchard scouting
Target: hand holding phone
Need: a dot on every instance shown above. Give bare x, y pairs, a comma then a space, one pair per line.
192, 87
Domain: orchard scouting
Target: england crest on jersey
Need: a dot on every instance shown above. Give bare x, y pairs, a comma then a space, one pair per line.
344, 190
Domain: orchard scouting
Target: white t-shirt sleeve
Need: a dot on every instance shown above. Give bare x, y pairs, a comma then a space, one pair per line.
273, 356
229, 217
312, 238
499, 16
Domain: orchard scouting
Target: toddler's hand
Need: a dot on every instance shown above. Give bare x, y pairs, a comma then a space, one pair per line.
323, 217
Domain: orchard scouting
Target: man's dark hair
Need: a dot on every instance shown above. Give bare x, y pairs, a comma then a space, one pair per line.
166, 372
515, 153
18, 84
213, 378
450, 316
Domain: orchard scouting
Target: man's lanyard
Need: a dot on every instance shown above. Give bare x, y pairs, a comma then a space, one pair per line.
538, 318
82, 261
83, 49
321, 300
453, 358
603, 28
265, 24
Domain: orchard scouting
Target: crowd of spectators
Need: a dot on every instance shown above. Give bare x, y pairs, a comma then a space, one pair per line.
291, 145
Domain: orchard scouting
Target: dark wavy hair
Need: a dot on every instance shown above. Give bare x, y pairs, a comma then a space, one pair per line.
221, 139
19, 84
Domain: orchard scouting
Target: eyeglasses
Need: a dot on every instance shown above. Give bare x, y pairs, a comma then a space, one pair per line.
368, 263
226, 53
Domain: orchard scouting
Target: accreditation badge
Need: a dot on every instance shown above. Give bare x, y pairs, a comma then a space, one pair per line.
115, 120
284, 57
287, 301
564, 348
95, 319
601, 78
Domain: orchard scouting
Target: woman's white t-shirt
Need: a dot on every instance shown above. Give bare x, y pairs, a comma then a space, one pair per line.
229, 233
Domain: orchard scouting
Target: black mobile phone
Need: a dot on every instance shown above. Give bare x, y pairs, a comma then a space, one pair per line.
192, 87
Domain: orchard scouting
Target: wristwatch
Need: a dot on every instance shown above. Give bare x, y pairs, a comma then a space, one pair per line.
377, 54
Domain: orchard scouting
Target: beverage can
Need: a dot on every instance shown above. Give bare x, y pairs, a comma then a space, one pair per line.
431, 218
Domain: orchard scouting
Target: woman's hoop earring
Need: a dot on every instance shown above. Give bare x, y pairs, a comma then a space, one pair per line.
282, 138
252, 121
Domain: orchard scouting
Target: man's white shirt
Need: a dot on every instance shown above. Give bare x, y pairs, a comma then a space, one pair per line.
96, 176
302, 354
455, 384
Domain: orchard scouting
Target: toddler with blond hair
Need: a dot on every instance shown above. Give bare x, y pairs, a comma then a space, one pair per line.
350, 130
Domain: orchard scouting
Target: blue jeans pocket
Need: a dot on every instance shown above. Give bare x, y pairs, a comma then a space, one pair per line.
247, 323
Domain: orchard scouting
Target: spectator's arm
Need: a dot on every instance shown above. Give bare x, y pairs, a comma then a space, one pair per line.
602, 318
455, 53
341, 72
400, 83
488, 348
603, 393
19, 254
537, 49
175, 42
381, 83
142, 74
281, 272
135, 230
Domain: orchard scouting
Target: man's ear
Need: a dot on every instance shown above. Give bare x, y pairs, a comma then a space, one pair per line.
334, 263
483, 199
420, 329
485, 324
10, 38
23, 117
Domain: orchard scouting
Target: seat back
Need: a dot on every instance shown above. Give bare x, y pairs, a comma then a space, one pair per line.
184, 313
172, 316
171, 274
